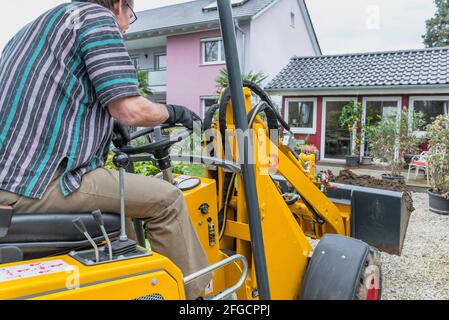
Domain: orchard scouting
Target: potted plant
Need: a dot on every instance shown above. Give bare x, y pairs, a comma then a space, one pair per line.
438, 160
350, 119
390, 141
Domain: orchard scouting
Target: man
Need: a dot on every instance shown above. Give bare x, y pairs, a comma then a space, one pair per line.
63, 79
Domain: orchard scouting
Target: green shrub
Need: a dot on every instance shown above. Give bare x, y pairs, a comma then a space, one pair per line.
438, 135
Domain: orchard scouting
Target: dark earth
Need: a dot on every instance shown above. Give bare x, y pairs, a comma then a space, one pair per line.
349, 177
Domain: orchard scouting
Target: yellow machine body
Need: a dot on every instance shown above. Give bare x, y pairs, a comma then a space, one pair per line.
154, 277
285, 231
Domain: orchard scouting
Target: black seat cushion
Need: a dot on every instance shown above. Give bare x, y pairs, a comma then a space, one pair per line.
56, 227
40, 235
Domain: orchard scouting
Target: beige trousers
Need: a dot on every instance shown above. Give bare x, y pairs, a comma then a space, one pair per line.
161, 205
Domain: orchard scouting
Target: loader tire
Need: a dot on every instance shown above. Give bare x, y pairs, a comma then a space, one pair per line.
342, 268
370, 287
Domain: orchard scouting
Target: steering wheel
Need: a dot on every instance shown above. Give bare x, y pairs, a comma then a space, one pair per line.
160, 142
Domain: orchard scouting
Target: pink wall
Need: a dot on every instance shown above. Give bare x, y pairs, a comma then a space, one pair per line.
187, 79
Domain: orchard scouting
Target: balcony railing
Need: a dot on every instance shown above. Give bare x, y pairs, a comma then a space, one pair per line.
157, 77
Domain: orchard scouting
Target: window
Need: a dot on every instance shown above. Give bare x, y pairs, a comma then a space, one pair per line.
207, 103
136, 62
337, 141
301, 115
376, 109
292, 19
160, 62
212, 51
430, 106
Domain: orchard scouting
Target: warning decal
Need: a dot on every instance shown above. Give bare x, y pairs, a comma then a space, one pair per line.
33, 270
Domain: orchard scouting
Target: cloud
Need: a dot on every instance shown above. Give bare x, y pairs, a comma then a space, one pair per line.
348, 26
21, 12
342, 26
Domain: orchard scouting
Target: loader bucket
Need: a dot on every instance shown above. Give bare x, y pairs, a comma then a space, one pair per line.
378, 217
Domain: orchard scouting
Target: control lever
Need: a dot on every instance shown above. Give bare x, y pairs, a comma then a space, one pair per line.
99, 219
123, 245
79, 224
164, 158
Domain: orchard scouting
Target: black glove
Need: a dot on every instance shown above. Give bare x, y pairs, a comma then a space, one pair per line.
120, 135
181, 115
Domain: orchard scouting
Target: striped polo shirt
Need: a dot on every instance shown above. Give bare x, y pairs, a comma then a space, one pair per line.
57, 76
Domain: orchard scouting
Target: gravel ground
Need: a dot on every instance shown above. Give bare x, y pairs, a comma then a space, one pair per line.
422, 272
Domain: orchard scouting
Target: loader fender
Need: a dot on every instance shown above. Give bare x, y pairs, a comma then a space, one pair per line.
339, 268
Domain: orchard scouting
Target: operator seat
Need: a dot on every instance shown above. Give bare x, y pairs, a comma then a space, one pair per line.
40, 235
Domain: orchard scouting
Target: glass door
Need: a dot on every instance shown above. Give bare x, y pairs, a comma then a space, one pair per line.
337, 140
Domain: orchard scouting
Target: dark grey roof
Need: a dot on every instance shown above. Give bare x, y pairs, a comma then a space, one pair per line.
365, 70
190, 13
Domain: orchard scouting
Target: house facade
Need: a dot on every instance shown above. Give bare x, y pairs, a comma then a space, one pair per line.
314, 91
181, 46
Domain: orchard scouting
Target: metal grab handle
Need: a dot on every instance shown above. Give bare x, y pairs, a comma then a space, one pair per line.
219, 265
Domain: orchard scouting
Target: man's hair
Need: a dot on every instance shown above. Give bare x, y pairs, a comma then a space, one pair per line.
109, 4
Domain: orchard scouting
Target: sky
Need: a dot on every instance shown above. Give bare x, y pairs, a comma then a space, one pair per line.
342, 26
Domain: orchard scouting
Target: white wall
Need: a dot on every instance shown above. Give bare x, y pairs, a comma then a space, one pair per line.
274, 41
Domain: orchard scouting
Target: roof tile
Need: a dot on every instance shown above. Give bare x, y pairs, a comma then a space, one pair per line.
381, 69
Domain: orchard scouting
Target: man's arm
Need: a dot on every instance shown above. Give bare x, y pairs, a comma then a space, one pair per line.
138, 112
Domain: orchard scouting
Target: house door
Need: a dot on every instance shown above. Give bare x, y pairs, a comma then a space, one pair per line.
336, 143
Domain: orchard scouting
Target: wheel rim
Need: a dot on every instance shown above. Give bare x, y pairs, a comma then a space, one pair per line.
373, 293
372, 283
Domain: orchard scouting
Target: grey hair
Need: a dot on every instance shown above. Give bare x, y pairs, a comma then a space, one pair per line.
109, 4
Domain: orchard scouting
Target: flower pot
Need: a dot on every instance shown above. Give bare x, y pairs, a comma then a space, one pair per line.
392, 178
437, 203
352, 161
367, 160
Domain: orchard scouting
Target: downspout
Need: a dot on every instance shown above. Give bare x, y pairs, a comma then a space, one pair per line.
242, 62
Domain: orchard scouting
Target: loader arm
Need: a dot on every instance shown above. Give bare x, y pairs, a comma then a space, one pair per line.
267, 154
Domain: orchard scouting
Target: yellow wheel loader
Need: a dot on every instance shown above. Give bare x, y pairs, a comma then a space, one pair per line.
255, 228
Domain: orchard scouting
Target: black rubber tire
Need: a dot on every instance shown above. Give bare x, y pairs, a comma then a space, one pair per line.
342, 268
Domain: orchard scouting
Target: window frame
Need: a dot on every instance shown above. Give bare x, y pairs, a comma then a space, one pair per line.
156, 61
325, 100
221, 55
411, 106
203, 103
365, 101
300, 130
134, 59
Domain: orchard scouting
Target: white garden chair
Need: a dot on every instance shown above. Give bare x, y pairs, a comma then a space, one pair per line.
420, 162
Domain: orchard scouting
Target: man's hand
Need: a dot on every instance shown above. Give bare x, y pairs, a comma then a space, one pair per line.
181, 115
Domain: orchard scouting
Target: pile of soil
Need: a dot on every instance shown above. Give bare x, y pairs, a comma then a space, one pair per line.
349, 177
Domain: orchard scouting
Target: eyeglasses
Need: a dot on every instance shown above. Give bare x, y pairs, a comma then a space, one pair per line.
133, 18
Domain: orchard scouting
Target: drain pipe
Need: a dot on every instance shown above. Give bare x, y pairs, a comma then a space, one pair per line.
243, 51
